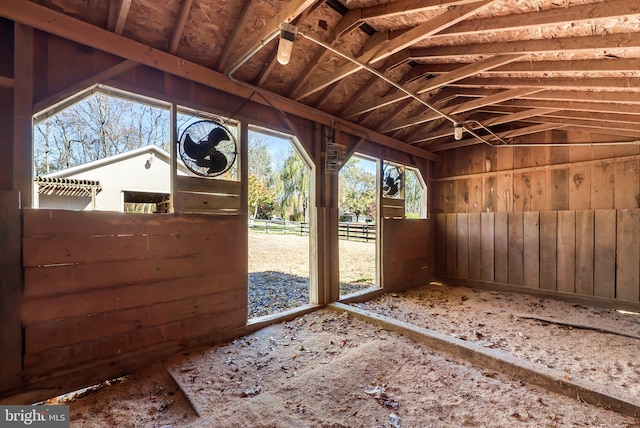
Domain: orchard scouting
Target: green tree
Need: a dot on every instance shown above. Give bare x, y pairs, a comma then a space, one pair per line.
412, 195
357, 189
261, 198
293, 188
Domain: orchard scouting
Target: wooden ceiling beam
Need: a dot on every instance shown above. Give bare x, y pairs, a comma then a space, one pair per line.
459, 108
423, 86
303, 76
556, 16
567, 45
239, 29
292, 9
611, 65
121, 19
453, 15
626, 84
625, 129
574, 106
178, 29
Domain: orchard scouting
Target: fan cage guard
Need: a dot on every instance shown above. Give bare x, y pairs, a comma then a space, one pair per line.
395, 171
230, 154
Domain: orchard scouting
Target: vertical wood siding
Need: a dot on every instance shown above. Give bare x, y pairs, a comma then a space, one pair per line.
591, 253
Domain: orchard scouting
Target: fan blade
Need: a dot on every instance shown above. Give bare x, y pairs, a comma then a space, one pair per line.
218, 163
216, 136
193, 149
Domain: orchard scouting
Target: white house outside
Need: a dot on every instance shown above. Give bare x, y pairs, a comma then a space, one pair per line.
140, 176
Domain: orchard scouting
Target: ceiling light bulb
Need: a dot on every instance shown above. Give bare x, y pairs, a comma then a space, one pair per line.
457, 131
285, 46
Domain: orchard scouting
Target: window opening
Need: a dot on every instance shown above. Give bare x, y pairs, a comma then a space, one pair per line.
357, 229
278, 193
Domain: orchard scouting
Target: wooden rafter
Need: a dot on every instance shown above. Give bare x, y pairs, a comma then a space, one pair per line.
291, 10
625, 129
555, 16
238, 29
459, 108
121, 18
566, 45
622, 84
356, 17
178, 29
435, 83
610, 65
415, 35
320, 53
576, 106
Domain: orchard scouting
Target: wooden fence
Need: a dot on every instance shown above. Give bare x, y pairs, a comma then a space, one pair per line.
588, 253
346, 230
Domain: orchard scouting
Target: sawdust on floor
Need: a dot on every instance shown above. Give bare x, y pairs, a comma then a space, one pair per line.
327, 369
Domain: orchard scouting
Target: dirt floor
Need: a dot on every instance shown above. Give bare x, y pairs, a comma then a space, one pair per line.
327, 369
507, 322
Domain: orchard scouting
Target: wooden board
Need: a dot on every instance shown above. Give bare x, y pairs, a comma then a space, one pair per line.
580, 188
540, 191
451, 244
531, 249
522, 192
566, 267
548, 249
627, 182
501, 264
462, 196
516, 260
441, 244
72, 330
559, 180
490, 194
584, 252
91, 302
476, 190
604, 269
10, 290
504, 193
602, 186
475, 256
58, 223
487, 243
462, 245
188, 202
628, 256
70, 358
204, 185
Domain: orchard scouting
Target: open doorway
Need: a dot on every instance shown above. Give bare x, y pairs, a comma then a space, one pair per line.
357, 225
278, 195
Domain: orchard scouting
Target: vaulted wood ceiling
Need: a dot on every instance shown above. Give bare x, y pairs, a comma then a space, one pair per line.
517, 67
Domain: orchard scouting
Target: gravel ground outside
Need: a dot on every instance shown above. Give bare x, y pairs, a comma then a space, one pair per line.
279, 271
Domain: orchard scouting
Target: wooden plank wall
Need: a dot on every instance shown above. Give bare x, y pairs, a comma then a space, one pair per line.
589, 253
102, 287
407, 251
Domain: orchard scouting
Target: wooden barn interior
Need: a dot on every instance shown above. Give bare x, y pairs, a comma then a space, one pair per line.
522, 117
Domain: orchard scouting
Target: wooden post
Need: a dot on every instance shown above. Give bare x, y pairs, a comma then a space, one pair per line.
23, 112
10, 290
